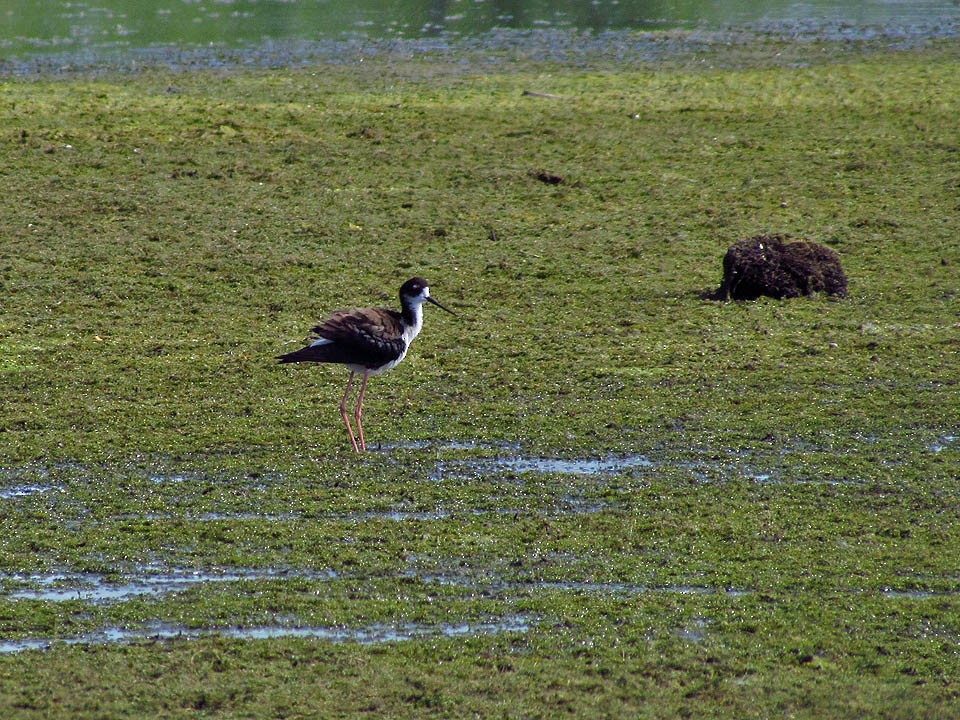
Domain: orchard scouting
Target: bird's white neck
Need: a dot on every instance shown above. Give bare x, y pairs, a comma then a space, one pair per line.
412, 322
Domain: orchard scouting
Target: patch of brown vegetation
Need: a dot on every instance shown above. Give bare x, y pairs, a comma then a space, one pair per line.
771, 265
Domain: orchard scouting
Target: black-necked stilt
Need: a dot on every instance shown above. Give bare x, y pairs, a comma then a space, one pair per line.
368, 341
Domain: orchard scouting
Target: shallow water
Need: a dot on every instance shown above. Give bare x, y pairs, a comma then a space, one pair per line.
366, 635
582, 488
546, 465
18, 491
153, 580
944, 442
574, 466
45, 26
377, 633
53, 36
95, 589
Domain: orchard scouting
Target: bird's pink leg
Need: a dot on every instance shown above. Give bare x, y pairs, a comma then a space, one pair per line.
359, 412
343, 412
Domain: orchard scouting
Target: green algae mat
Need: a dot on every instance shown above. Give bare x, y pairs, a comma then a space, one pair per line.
597, 492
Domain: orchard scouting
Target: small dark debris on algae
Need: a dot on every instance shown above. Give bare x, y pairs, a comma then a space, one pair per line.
551, 96
366, 132
547, 177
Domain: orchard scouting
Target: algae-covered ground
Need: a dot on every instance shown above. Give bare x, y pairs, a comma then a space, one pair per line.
596, 493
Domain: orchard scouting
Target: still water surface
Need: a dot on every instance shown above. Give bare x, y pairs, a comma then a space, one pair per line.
38, 27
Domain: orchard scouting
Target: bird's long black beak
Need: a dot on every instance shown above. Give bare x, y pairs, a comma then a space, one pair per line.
434, 302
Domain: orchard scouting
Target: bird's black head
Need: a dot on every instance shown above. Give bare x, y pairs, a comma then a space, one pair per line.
413, 287
416, 291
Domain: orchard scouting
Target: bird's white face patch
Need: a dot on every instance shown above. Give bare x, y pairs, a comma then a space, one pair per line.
421, 297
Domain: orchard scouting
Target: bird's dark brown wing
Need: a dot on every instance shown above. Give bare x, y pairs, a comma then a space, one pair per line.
368, 336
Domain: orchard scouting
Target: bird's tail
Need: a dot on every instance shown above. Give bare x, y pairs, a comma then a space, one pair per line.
307, 354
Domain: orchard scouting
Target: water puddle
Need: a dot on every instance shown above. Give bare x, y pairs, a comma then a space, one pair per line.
19, 491
173, 478
265, 517
437, 445
359, 516
764, 478
944, 442
542, 465
97, 589
918, 594
573, 466
393, 515
385, 633
695, 631
376, 633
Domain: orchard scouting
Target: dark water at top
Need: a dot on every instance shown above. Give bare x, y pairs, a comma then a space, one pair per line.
32, 29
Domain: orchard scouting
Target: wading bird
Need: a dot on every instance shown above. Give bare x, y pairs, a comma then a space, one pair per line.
368, 341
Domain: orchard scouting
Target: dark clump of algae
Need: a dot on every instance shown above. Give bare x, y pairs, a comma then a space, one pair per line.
596, 493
